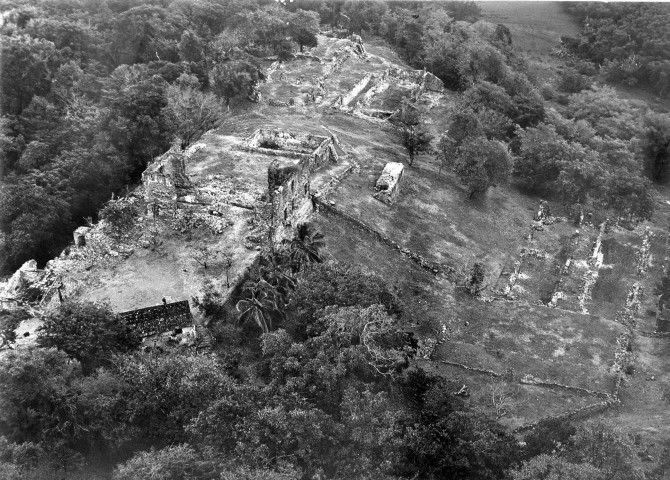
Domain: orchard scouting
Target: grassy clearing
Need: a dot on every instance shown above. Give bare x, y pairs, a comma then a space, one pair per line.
428, 299
536, 27
525, 403
433, 215
552, 344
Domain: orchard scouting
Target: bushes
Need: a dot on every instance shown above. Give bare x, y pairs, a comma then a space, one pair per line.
119, 216
330, 284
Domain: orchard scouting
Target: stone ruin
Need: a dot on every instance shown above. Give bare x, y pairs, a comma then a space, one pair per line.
22, 284
388, 184
168, 169
289, 180
319, 150
169, 317
359, 48
80, 236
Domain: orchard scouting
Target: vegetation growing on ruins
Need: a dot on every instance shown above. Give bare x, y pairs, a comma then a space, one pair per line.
375, 368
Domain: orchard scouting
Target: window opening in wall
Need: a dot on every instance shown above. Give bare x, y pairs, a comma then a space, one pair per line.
292, 186
306, 188
286, 214
292, 205
177, 331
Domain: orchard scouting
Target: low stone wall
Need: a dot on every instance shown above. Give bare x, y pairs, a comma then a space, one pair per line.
433, 267
284, 140
582, 412
356, 90
278, 103
530, 380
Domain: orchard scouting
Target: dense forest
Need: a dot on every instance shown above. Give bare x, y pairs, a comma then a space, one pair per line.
627, 42
317, 380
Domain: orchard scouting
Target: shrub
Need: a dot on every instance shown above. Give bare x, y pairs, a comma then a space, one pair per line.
119, 216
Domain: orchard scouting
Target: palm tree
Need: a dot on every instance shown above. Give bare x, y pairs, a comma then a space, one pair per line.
261, 304
274, 270
305, 246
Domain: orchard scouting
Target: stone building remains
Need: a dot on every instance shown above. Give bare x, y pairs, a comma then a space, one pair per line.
169, 169
388, 184
80, 236
170, 317
297, 157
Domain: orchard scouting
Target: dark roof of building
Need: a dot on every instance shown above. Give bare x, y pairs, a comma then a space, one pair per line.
161, 318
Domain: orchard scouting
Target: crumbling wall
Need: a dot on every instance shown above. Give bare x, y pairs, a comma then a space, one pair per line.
354, 92
388, 184
432, 83
265, 139
169, 169
290, 191
159, 319
289, 186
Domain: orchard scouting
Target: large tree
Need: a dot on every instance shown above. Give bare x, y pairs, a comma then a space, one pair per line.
194, 111
233, 78
482, 163
303, 27
88, 332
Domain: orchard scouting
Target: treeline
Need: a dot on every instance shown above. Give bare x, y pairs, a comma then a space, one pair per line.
629, 42
326, 392
91, 91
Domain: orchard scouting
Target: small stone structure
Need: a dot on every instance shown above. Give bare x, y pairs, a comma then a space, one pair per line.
168, 169
388, 184
281, 142
289, 180
359, 48
432, 83
21, 284
80, 236
159, 319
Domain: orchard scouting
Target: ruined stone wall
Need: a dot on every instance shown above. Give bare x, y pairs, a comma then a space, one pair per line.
280, 142
388, 184
159, 319
289, 186
169, 169
289, 189
356, 90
